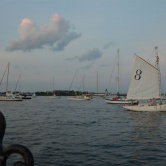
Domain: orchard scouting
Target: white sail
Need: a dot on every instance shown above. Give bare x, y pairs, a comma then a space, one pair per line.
145, 82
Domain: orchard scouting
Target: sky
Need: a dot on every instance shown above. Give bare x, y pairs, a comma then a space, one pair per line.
45, 39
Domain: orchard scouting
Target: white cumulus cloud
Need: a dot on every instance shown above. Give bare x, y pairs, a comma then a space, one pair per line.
56, 35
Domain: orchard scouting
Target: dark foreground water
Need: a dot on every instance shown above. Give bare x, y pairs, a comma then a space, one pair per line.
85, 133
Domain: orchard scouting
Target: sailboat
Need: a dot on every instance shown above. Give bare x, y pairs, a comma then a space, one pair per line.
82, 97
9, 96
118, 99
54, 96
18, 94
146, 85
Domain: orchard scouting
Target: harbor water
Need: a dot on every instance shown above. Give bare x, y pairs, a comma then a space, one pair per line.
59, 132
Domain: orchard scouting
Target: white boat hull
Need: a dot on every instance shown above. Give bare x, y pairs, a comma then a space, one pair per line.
79, 98
10, 99
118, 101
145, 107
26, 97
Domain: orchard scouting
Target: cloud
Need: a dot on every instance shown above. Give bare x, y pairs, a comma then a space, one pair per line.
91, 55
65, 41
56, 35
107, 45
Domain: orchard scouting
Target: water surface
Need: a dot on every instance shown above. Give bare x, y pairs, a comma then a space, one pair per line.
85, 133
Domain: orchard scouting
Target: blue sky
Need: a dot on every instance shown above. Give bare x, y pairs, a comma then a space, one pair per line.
44, 39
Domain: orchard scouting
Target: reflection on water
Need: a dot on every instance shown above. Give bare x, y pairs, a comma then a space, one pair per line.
62, 132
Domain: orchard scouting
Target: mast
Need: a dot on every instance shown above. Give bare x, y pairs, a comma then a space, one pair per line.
53, 84
158, 67
118, 75
83, 82
7, 77
73, 78
97, 82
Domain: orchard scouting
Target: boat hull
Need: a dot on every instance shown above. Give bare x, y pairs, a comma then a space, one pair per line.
78, 98
26, 97
9, 99
119, 101
145, 107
